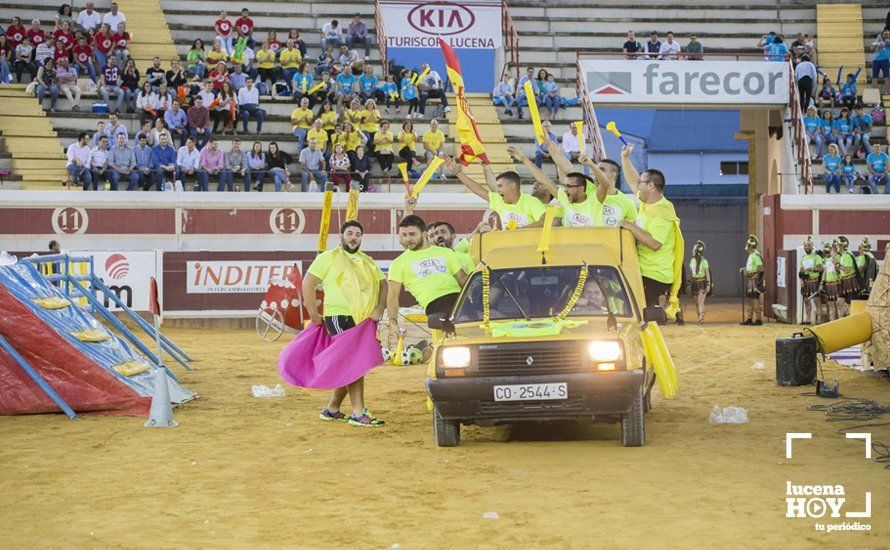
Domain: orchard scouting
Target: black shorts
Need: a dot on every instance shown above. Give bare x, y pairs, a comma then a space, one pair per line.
338, 323
442, 304
652, 289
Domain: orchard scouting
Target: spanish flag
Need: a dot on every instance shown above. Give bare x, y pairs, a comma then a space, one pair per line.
471, 146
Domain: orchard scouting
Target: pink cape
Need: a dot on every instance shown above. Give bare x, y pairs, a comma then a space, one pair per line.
316, 361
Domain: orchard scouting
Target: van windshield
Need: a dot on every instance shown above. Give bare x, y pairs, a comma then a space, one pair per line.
544, 292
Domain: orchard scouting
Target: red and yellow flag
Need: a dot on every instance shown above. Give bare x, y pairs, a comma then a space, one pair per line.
471, 146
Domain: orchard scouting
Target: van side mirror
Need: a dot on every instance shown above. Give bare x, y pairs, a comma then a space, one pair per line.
439, 321
654, 314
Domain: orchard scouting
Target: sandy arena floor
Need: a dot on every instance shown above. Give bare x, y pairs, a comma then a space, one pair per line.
243, 472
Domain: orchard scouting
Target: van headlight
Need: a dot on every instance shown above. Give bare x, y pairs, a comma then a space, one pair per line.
457, 357
604, 350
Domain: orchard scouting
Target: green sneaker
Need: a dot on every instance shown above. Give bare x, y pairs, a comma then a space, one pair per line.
365, 421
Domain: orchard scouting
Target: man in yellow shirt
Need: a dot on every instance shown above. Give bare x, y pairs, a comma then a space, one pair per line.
353, 285
433, 145
290, 58
320, 135
431, 274
515, 208
301, 120
655, 231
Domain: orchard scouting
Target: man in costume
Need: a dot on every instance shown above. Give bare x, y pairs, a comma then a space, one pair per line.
754, 284
848, 272
354, 289
659, 240
868, 268
831, 293
700, 279
810, 274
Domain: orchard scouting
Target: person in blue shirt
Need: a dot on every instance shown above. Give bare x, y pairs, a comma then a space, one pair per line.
390, 91
505, 92
551, 96
778, 51
163, 161
862, 127
177, 122
827, 127
301, 83
877, 162
849, 89
520, 90
832, 164
880, 67
367, 85
345, 86
828, 94
843, 131
849, 172
409, 94
813, 125
541, 151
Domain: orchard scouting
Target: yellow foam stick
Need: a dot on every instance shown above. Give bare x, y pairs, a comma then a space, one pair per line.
352, 203
426, 176
544, 242
303, 84
403, 169
582, 146
397, 354
315, 88
533, 109
325, 225
418, 78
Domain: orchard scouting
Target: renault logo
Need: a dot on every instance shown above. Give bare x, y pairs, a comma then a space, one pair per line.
529, 360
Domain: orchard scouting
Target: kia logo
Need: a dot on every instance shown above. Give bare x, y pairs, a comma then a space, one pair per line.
441, 19
117, 266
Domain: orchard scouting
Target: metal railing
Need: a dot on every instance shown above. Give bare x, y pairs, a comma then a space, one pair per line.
511, 41
591, 124
381, 37
800, 139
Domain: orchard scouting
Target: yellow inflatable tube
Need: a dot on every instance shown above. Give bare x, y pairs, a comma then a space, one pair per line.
656, 353
843, 333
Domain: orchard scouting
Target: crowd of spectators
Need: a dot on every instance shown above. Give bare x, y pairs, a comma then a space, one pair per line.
547, 94
656, 49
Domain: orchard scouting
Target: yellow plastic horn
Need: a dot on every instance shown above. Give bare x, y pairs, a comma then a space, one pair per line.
533, 110
613, 129
315, 88
403, 169
418, 78
325, 225
582, 146
426, 176
352, 202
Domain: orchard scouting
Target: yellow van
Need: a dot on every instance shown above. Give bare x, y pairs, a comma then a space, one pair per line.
554, 331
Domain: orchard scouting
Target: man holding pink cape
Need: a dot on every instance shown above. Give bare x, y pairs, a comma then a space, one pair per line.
354, 290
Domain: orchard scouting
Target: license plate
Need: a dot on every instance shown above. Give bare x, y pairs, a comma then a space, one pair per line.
531, 392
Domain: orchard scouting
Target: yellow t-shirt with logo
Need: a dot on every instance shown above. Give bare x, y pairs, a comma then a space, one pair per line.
335, 303
527, 210
320, 136
384, 142
370, 120
290, 59
301, 118
577, 214
434, 140
338, 139
407, 139
353, 116
657, 265
427, 274
213, 58
329, 119
353, 140
615, 208
265, 59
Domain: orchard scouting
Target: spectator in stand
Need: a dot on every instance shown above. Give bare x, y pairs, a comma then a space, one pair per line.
331, 35
122, 164
238, 79
432, 87
802, 46
188, 164
244, 26
299, 43
862, 128
301, 121
632, 46
142, 153
832, 174
256, 165
66, 80
24, 59
78, 166
114, 18
212, 162
130, 81
324, 94
329, 118
829, 136
843, 131
325, 62
370, 124
164, 102
197, 59
354, 137
777, 50
114, 128
225, 110
163, 160
694, 50
877, 162
383, 144
249, 105
570, 146
389, 90
64, 38
407, 140
46, 82
88, 19
177, 122
538, 85
653, 47
267, 66
121, 43
43, 51
155, 75
219, 75
341, 166
83, 58
828, 94
99, 164
100, 131
36, 35
277, 160
223, 28
312, 166
805, 75
361, 168
358, 34
110, 82
409, 94
813, 125
849, 172
880, 67
318, 132
669, 49
300, 84
541, 151
199, 123
102, 46
176, 76
16, 33
346, 86
520, 89
216, 55
367, 85
434, 146
552, 97
274, 43
349, 58
235, 165
290, 59
505, 93
64, 15
850, 91
5, 60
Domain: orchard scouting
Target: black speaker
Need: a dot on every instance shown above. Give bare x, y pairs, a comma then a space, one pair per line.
796, 360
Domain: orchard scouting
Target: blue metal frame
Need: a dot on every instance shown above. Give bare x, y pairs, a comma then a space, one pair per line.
39, 380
